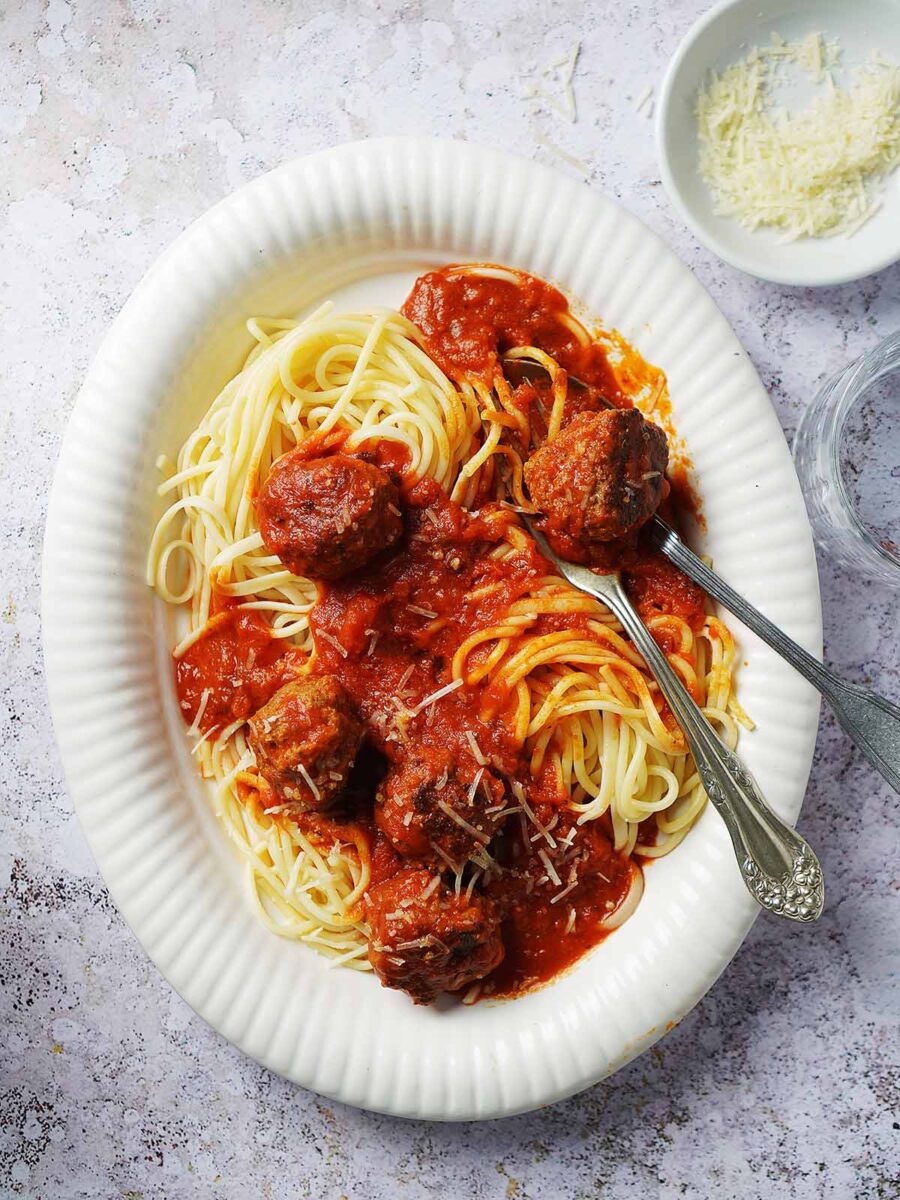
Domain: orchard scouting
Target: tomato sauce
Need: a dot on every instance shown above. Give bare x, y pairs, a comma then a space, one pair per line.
543, 936
656, 586
682, 502
468, 320
237, 664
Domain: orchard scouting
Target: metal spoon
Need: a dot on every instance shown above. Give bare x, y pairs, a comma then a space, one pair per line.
871, 722
780, 870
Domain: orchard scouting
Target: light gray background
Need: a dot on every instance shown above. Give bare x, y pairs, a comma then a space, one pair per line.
120, 123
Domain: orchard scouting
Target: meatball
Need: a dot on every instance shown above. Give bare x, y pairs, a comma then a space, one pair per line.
425, 939
326, 517
601, 478
428, 801
305, 740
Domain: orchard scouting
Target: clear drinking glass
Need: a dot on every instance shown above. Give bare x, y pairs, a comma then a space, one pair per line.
847, 454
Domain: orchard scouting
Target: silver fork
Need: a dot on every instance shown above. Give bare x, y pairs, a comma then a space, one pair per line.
870, 721
777, 865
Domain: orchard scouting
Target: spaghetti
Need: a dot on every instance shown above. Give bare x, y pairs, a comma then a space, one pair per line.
463, 642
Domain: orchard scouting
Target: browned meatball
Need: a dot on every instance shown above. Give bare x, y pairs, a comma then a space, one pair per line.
425, 939
305, 740
428, 801
326, 517
601, 478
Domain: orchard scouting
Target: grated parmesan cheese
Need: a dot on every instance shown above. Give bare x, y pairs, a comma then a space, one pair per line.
310, 782
194, 727
527, 811
442, 854
554, 89
578, 163
433, 885
644, 102
332, 641
438, 695
202, 742
813, 173
476, 749
564, 892
474, 788
549, 867
451, 812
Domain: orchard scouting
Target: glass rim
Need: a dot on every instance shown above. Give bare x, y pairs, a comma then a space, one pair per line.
854, 381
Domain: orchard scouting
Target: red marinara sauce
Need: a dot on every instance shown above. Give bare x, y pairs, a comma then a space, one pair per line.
656, 586
468, 319
238, 664
546, 930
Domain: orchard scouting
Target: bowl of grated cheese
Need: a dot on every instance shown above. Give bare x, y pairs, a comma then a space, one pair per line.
778, 134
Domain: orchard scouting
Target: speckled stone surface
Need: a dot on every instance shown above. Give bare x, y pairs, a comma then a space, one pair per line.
121, 122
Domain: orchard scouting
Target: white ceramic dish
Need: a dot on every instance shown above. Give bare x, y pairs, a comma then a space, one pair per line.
721, 37
358, 222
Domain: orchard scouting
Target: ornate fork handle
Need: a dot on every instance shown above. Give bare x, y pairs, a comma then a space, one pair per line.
777, 864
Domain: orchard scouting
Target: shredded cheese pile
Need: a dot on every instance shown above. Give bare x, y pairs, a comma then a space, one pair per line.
816, 173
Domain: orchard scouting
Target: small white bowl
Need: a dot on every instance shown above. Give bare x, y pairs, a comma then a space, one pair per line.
722, 36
